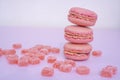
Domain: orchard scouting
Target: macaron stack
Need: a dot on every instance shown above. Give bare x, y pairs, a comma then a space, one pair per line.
79, 35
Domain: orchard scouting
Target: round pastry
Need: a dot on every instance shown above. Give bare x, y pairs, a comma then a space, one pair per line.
76, 34
77, 51
82, 17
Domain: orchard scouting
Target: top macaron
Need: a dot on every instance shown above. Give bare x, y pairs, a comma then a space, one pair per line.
82, 17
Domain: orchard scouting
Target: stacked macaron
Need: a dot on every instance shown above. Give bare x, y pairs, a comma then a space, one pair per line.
79, 35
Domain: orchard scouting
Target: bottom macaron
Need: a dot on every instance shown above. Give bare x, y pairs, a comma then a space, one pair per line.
77, 51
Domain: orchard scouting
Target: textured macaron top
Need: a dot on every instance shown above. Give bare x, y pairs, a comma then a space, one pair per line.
83, 11
82, 17
78, 48
78, 30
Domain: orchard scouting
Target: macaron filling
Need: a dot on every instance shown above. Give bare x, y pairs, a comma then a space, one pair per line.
78, 36
75, 53
76, 56
81, 16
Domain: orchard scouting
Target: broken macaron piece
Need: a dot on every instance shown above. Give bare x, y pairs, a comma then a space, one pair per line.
57, 64
97, 53
65, 68
71, 62
9, 51
82, 70
23, 61
12, 59
108, 71
51, 59
34, 60
47, 71
17, 45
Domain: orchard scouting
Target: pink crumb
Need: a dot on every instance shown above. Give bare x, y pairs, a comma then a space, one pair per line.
82, 70
17, 46
40, 56
108, 71
113, 69
70, 62
44, 51
34, 60
57, 64
30, 54
12, 59
65, 68
97, 53
48, 48
9, 51
51, 59
33, 50
1, 52
38, 46
23, 61
55, 50
47, 71
23, 51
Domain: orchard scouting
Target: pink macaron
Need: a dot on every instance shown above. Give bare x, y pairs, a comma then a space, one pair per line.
76, 34
82, 17
77, 51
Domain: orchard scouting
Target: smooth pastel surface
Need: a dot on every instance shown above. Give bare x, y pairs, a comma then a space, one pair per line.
82, 17
32, 36
76, 34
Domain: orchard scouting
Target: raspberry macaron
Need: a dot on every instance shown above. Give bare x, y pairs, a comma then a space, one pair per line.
76, 34
82, 16
77, 51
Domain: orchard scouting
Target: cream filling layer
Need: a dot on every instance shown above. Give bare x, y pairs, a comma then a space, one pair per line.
75, 54
81, 16
78, 36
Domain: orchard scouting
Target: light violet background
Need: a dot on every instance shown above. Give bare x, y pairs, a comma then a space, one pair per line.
32, 22
53, 13
106, 40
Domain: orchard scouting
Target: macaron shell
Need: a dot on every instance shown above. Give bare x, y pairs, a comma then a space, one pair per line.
76, 34
82, 16
79, 48
78, 29
83, 11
